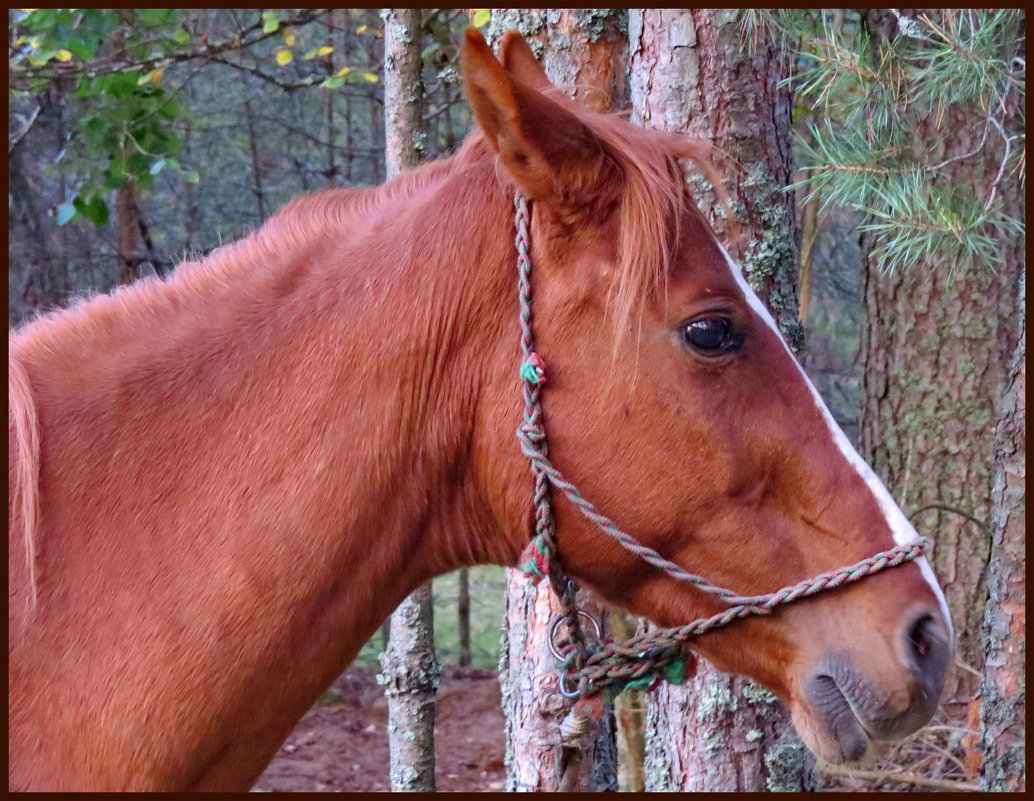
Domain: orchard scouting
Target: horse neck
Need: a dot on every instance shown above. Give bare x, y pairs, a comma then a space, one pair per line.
288, 458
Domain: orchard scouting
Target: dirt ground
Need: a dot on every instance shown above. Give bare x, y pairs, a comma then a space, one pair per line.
342, 744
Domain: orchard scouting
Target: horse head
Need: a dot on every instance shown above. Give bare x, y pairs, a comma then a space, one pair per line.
675, 405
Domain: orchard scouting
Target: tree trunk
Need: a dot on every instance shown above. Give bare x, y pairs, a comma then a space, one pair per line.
582, 51
937, 340
692, 72
127, 220
463, 615
1002, 711
409, 668
38, 273
409, 673
256, 163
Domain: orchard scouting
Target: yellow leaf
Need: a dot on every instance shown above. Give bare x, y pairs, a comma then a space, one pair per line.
155, 76
481, 17
369, 76
64, 55
289, 37
28, 10
342, 72
361, 30
326, 50
284, 57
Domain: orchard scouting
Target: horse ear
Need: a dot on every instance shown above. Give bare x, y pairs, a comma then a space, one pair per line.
520, 62
550, 153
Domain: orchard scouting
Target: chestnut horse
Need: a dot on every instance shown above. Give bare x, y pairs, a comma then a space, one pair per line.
222, 483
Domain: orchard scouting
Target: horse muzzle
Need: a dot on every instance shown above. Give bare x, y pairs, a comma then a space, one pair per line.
850, 704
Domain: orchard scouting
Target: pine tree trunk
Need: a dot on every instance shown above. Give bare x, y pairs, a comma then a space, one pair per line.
692, 72
1003, 691
409, 669
937, 340
582, 51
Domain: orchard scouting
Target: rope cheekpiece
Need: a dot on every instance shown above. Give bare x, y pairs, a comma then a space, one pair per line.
661, 654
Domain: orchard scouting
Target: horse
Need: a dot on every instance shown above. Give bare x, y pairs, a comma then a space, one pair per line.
221, 482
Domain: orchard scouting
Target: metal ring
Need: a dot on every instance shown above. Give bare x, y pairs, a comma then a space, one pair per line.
595, 624
562, 679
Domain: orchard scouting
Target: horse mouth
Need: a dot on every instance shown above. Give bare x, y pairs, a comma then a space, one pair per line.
837, 733
843, 714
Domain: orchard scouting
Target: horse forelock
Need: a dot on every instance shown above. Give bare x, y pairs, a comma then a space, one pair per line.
653, 199
23, 427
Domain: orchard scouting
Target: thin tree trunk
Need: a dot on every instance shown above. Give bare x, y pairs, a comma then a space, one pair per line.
1003, 712
410, 673
463, 613
937, 340
256, 164
127, 245
812, 226
691, 72
410, 670
582, 51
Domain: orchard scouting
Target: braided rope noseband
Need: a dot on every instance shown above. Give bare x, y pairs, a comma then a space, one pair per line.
660, 654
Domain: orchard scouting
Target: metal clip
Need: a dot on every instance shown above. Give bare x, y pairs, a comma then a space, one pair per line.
563, 679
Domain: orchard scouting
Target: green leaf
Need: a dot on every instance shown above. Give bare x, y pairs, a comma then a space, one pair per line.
271, 24
65, 212
181, 36
333, 83
482, 17
191, 177
94, 209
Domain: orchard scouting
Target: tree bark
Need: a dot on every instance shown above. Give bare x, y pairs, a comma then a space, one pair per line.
692, 72
1003, 690
582, 51
409, 668
937, 340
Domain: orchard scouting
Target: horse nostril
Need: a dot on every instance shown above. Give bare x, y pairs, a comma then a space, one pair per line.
927, 650
919, 637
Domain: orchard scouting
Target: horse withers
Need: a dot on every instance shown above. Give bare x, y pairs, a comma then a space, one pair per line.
221, 483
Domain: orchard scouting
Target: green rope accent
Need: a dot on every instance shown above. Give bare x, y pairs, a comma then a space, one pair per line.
675, 673
530, 373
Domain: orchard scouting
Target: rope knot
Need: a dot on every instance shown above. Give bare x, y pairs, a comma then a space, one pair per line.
531, 432
533, 370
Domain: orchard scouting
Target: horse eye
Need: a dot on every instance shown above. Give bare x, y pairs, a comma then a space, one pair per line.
712, 336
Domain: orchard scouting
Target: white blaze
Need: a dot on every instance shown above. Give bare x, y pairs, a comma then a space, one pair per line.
902, 530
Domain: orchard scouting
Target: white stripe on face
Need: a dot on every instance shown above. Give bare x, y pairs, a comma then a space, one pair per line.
902, 530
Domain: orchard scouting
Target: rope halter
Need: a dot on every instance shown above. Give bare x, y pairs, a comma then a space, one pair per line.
661, 654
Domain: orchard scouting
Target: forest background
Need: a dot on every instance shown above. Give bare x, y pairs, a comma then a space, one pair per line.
139, 138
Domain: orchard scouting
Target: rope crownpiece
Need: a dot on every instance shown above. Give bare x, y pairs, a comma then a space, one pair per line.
661, 654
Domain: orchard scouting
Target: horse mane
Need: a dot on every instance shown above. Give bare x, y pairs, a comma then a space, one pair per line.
23, 429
